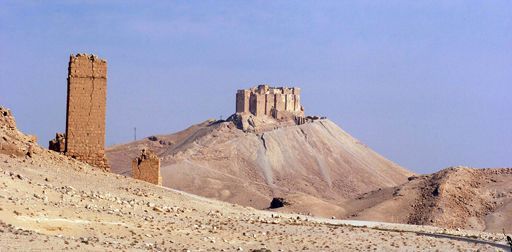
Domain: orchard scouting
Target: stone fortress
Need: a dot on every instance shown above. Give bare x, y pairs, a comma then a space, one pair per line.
277, 102
263, 108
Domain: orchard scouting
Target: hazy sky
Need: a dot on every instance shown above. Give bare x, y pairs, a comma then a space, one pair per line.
428, 84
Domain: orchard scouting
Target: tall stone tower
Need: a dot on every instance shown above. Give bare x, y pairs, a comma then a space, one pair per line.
86, 110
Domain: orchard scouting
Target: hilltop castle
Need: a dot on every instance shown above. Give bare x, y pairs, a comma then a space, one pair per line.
276, 102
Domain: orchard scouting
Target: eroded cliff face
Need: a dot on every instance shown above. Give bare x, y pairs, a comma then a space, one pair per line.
316, 161
12, 141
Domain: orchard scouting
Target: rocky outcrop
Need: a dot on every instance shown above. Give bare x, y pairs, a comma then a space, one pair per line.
257, 124
12, 141
456, 197
452, 197
7, 119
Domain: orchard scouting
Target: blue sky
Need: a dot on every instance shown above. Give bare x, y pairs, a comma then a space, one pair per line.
428, 84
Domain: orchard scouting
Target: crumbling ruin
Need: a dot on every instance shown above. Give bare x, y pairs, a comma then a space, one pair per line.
58, 144
147, 167
277, 102
86, 109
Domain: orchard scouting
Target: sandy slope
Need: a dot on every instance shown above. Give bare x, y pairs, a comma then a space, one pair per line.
62, 205
314, 162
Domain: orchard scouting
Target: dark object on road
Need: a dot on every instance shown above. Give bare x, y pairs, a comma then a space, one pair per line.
509, 240
278, 202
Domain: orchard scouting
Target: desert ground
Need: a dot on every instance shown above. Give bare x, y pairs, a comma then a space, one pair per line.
52, 202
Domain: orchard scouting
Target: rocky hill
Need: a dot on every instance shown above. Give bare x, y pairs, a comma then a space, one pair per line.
313, 164
50, 202
321, 170
457, 197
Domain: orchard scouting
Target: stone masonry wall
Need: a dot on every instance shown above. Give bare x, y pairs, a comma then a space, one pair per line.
270, 101
242, 101
86, 109
147, 168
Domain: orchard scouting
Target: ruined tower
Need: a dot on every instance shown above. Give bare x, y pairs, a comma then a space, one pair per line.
86, 108
147, 168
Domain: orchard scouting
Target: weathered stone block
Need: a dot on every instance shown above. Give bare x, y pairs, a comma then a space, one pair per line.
147, 167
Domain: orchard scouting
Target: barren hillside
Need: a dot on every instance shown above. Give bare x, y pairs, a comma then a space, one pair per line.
51, 202
321, 170
458, 197
312, 162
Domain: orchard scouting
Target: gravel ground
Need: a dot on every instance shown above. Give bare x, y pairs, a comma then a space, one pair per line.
49, 202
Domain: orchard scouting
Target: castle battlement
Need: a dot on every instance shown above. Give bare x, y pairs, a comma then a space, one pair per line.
269, 101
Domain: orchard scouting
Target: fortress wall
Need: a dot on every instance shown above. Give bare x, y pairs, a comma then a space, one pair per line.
270, 103
252, 104
287, 91
289, 102
242, 101
297, 106
260, 104
280, 102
